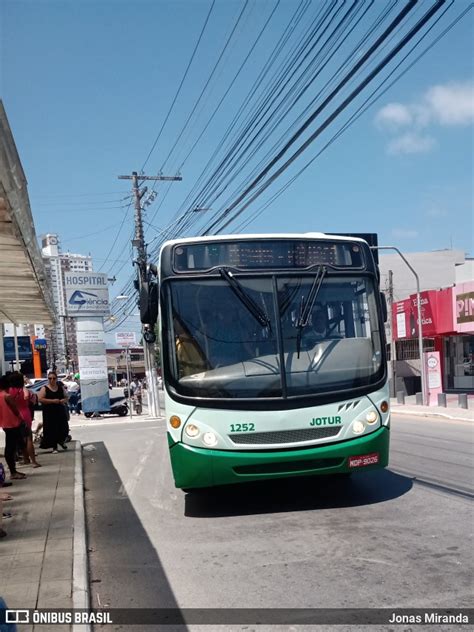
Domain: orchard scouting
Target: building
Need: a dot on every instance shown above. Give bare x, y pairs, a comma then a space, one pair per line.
440, 268
447, 314
117, 364
447, 317
62, 338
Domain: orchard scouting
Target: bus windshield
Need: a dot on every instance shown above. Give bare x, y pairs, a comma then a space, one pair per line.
301, 347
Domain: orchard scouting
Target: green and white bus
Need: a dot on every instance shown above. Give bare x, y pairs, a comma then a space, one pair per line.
273, 357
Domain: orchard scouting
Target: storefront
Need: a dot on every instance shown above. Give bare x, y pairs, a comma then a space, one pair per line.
458, 351
447, 317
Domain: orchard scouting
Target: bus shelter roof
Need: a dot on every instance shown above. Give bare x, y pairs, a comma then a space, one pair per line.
25, 294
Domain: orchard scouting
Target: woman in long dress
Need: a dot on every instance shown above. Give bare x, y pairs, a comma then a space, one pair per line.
55, 427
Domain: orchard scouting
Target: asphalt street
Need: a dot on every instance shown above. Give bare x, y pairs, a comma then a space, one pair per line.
400, 537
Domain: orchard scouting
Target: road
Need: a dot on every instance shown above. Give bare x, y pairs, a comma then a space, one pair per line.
393, 538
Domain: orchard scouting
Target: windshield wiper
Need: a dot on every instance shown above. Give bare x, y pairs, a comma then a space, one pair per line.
307, 306
244, 298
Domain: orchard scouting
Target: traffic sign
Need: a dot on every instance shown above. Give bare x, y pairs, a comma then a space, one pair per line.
125, 338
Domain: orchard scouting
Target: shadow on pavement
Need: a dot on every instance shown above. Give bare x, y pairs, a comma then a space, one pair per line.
124, 568
297, 494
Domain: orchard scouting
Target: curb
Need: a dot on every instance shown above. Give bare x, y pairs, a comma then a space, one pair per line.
423, 413
80, 570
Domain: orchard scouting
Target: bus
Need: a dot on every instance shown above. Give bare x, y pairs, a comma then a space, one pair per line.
273, 357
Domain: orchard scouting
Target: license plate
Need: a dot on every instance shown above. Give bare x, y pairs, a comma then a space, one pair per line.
364, 459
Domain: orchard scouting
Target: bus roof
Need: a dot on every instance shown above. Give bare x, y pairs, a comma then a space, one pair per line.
329, 236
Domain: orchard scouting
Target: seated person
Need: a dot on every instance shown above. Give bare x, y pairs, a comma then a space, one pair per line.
317, 328
191, 359
320, 322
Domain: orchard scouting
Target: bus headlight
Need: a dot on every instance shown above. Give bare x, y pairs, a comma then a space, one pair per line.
358, 427
371, 417
209, 438
191, 430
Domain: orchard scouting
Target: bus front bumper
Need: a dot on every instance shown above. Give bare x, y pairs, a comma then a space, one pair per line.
200, 467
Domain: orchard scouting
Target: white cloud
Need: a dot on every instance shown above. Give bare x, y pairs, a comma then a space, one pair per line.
394, 115
404, 233
435, 211
452, 104
411, 143
446, 105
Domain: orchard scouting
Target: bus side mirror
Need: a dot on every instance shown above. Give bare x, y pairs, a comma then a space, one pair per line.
384, 307
148, 303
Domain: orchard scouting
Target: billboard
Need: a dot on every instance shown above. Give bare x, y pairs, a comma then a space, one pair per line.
92, 364
24, 348
436, 316
463, 307
87, 294
125, 338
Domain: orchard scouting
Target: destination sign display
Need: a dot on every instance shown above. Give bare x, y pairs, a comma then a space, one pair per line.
268, 253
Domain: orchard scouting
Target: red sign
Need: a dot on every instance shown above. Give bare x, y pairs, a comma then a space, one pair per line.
436, 314
364, 459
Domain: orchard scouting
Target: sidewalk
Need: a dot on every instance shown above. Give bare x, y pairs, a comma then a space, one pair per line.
452, 411
38, 558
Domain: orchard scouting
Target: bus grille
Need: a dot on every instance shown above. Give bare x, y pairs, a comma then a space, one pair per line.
284, 436
288, 467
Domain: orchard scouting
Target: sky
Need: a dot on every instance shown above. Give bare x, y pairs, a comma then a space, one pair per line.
87, 85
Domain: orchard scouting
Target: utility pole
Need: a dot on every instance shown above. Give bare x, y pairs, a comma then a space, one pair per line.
139, 243
392, 335
424, 392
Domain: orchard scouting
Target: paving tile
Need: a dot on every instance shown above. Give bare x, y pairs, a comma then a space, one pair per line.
20, 559
60, 523
22, 595
55, 594
36, 558
17, 575
57, 565
11, 545
59, 544
62, 531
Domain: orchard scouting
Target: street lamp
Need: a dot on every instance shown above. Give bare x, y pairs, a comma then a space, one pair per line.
420, 324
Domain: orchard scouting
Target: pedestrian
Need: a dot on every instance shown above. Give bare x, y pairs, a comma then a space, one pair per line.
3, 497
55, 426
25, 401
72, 388
10, 421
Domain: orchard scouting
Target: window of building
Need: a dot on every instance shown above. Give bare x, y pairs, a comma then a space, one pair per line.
408, 349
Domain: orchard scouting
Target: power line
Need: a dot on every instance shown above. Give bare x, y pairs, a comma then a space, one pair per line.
69, 195
368, 103
181, 84
273, 83
186, 220
205, 85
405, 11
274, 118
116, 236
